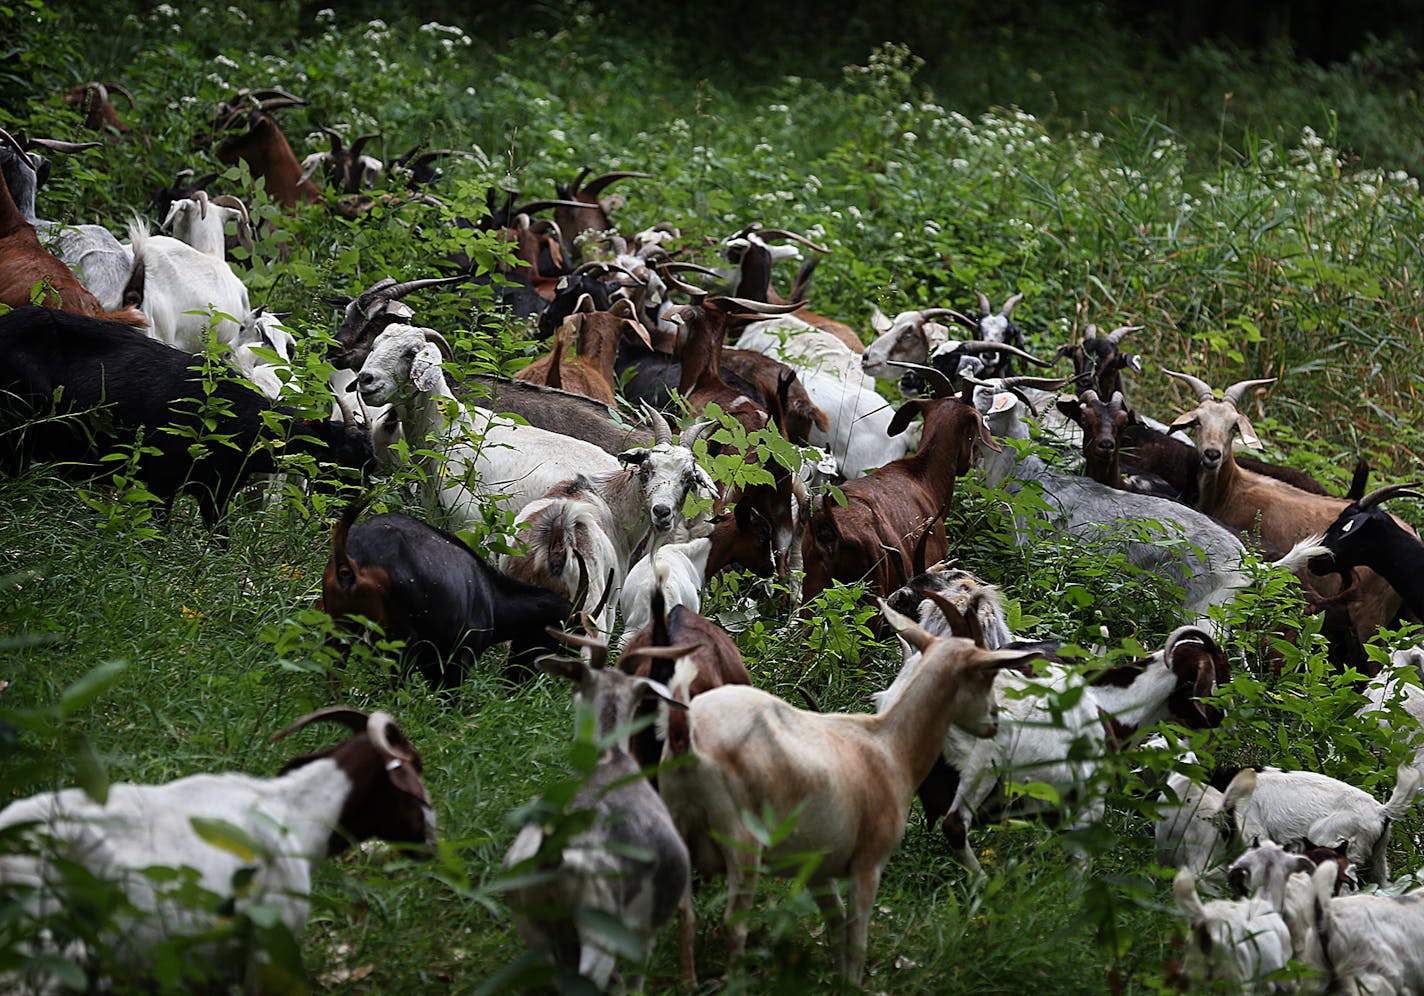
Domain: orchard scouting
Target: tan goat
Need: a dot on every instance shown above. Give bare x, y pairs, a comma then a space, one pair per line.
846, 779
594, 335
1283, 514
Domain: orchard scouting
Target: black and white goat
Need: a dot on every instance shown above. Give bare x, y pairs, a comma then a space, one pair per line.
367, 786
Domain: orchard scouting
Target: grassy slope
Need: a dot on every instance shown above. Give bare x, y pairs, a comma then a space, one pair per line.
1271, 260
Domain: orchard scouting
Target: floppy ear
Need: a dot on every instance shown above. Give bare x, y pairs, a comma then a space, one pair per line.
904, 416
637, 456
425, 370
1187, 420
1072, 408
1248, 434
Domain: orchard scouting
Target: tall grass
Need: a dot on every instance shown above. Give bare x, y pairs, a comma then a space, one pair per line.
1266, 251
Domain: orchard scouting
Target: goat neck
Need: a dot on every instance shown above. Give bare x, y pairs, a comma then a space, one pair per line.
268, 154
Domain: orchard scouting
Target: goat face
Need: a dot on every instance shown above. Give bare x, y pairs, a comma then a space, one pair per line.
906, 339
402, 357
1352, 538
1215, 425
668, 474
1201, 668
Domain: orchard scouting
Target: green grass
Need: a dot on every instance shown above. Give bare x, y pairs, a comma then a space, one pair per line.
1272, 240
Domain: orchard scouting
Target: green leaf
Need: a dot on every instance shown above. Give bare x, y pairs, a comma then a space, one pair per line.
89, 687
228, 837
89, 771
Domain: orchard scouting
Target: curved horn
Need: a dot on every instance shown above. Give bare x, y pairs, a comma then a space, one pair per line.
681, 267
1202, 388
598, 647
1390, 491
758, 307
533, 206
1038, 383
361, 141
672, 281
929, 373
1115, 336
348, 416
394, 291
228, 200
277, 103
977, 346
596, 185
353, 719
781, 233
1233, 394
922, 546
662, 432
382, 730
932, 313
984, 304
1008, 307
432, 336
55, 145
607, 594
121, 90
14, 143
201, 196
581, 590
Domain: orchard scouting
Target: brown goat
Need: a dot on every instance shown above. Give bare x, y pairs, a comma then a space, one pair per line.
99, 114
264, 148
872, 537
594, 336
592, 216
25, 263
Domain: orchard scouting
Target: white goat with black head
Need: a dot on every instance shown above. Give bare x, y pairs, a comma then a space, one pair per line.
367, 786
630, 864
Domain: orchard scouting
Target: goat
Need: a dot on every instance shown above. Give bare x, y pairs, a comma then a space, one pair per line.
1240, 942
888, 508
588, 212
199, 221
1243, 499
262, 145
1098, 362
423, 585
1296, 805
261, 330
1196, 826
629, 865
1266, 868
348, 171
604, 519
184, 291
92, 100
367, 786
370, 313
25, 263
562, 412
1364, 535
858, 436
116, 387
847, 780
594, 336
91, 252
1370, 943
909, 337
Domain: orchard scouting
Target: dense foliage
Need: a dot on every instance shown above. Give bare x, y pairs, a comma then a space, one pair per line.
1276, 237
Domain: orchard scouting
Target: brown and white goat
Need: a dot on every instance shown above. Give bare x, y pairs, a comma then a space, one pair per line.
1284, 515
846, 780
875, 533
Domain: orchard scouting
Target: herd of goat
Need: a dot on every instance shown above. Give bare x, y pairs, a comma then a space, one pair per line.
616, 516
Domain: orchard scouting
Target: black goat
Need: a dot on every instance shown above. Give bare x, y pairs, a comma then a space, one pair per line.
77, 389
1365, 535
426, 587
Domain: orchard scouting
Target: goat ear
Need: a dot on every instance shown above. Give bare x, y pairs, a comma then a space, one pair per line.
1241, 788
425, 370
998, 660
1248, 434
634, 456
1071, 407
1185, 421
562, 666
880, 321
905, 416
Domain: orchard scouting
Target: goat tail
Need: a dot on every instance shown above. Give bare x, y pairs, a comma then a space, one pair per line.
129, 315
1406, 787
1296, 559
1184, 890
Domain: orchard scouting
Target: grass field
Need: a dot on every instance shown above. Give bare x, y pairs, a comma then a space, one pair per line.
1244, 251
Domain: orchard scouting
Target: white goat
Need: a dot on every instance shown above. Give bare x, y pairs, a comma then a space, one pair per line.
1238, 941
1397, 685
909, 337
184, 290
1196, 828
367, 786
806, 349
1371, 943
679, 569
858, 438
846, 780
1308, 806
199, 221
263, 330
630, 864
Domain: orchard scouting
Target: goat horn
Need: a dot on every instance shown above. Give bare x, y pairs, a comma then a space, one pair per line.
361, 141
55, 145
383, 731
533, 206
601, 264
348, 416
1203, 390
577, 639
402, 289
578, 181
14, 143
277, 103
228, 200
1233, 394
603, 602
893, 553
581, 590
201, 196
977, 346
929, 373
353, 719
781, 233
1115, 336
596, 185
432, 336
1039, 383
932, 313
662, 432
1390, 491
694, 432
117, 88
686, 288
758, 307
690, 268
1008, 307
336, 144
984, 304
922, 546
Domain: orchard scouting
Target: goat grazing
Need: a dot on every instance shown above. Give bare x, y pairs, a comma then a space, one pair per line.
184, 290
1241, 942
367, 786
846, 779
426, 587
